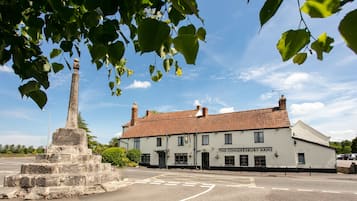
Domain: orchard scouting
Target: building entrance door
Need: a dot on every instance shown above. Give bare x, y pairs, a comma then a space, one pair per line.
162, 159
205, 160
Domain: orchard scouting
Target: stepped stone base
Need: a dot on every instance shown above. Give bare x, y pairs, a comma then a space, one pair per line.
67, 169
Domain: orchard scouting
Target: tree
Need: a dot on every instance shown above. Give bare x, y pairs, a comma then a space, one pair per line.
114, 142
92, 143
153, 26
295, 43
354, 145
101, 26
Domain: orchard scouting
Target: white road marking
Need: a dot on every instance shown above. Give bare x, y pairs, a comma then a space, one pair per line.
199, 194
173, 182
140, 182
188, 185
280, 189
336, 192
8, 171
205, 186
170, 184
155, 183
355, 193
259, 187
305, 190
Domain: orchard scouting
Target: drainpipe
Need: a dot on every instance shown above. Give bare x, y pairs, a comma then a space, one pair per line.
195, 149
166, 151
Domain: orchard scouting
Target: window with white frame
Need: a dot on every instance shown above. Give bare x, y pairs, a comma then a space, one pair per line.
228, 138
145, 158
259, 161
180, 141
229, 160
158, 142
243, 160
301, 158
205, 139
137, 143
259, 137
180, 158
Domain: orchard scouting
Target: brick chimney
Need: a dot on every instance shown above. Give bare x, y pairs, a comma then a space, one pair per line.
282, 103
198, 107
204, 112
134, 114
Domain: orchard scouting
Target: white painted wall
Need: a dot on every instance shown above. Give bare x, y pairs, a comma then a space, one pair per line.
283, 154
303, 131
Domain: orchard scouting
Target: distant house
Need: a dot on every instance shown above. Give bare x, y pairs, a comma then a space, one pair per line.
260, 140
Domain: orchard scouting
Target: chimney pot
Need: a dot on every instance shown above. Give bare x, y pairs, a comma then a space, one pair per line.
204, 112
134, 114
282, 103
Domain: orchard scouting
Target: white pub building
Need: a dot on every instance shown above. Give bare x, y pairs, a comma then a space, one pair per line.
254, 140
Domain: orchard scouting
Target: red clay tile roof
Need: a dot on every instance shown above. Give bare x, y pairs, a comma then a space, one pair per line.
157, 124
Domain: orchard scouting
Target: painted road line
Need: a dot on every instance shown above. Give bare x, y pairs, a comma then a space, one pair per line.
335, 192
155, 183
259, 187
280, 189
173, 182
191, 185
355, 193
170, 184
305, 190
199, 194
205, 186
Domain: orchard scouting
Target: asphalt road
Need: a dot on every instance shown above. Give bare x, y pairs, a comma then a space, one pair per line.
182, 185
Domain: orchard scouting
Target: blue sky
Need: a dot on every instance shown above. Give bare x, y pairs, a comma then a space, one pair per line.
237, 69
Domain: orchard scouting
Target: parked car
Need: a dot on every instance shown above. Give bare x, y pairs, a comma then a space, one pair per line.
352, 156
340, 156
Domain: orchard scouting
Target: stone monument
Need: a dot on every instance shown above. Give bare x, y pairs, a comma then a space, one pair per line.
68, 168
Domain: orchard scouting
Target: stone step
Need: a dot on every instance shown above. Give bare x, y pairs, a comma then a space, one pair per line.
68, 158
62, 168
68, 149
29, 181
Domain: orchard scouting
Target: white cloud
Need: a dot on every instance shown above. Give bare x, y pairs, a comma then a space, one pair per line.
17, 114
256, 73
226, 110
5, 69
196, 102
306, 108
139, 85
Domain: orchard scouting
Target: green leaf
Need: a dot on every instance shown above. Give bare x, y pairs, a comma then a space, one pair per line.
201, 34
320, 8
322, 44
118, 92
39, 97
175, 16
151, 69
66, 46
117, 80
188, 45
116, 52
97, 51
291, 42
57, 67
27, 88
129, 72
189, 29
152, 34
167, 63
348, 30
91, 19
178, 69
300, 58
268, 10
55, 52
111, 85
157, 77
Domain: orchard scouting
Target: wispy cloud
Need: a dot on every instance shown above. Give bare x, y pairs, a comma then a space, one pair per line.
5, 69
226, 110
139, 85
17, 114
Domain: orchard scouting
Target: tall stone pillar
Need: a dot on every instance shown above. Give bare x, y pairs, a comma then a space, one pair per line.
68, 168
72, 115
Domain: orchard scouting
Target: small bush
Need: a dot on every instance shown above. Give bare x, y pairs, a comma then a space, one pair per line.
116, 156
134, 155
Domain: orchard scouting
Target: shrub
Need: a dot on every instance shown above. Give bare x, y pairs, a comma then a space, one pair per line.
116, 156
134, 155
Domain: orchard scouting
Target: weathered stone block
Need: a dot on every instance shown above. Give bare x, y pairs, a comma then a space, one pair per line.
74, 180
12, 181
38, 169
27, 182
69, 136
